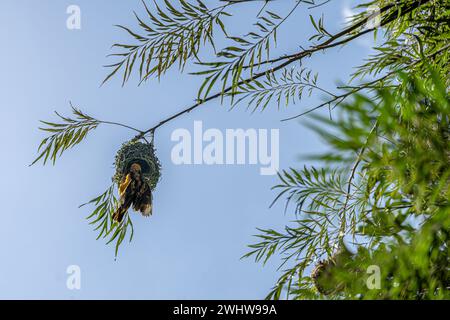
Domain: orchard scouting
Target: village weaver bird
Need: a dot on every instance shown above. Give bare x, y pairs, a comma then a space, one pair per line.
134, 191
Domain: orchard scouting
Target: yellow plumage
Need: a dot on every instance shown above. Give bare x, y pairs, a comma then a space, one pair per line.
124, 185
134, 191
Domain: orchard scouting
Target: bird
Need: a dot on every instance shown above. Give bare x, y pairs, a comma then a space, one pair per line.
134, 191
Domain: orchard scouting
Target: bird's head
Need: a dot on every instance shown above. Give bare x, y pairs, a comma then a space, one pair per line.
136, 168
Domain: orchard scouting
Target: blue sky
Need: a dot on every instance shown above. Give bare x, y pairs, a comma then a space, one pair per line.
204, 216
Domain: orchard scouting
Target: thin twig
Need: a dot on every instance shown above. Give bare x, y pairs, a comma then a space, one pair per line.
109, 122
120, 124
350, 181
363, 86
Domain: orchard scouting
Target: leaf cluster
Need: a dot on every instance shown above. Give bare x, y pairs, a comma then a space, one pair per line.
102, 219
168, 36
64, 135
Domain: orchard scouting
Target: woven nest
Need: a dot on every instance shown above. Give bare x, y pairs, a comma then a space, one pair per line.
138, 152
323, 275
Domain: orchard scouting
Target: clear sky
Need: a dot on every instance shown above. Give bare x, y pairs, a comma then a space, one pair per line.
204, 216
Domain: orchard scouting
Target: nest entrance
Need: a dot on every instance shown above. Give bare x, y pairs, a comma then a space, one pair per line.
141, 153
144, 165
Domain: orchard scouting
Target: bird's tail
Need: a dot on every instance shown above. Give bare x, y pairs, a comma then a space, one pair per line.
144, 201
120, 212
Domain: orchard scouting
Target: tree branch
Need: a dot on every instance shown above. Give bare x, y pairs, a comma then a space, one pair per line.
342, 97
297, 57
355, 166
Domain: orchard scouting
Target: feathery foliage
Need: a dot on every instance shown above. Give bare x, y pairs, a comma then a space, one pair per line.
168, 36
287, 88
397, 191
245, 54
102, 219
64, 135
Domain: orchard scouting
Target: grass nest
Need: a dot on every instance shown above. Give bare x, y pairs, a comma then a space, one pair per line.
138, 152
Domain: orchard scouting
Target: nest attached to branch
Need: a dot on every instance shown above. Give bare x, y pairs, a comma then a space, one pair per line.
141, 153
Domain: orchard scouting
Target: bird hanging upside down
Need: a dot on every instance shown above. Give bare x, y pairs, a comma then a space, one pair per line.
133, 190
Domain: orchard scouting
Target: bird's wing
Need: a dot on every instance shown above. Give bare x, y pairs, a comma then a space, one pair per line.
124, 185
143, 202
